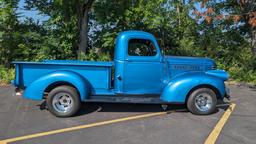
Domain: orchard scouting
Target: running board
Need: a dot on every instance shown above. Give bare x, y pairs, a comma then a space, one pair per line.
126, 99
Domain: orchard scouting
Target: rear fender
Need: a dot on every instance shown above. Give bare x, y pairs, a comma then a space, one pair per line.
179, 87
36, 89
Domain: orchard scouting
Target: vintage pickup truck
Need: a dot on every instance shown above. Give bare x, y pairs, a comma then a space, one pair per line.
140, 73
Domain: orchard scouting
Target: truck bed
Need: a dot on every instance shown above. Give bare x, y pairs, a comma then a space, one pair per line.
97, 73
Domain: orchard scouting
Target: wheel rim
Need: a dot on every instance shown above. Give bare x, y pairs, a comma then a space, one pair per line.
203, 102
62, 102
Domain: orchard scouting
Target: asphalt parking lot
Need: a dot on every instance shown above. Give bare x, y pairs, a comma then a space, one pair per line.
20, 117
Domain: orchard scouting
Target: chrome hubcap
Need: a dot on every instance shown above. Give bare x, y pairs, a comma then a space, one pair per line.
62, 102
203, 102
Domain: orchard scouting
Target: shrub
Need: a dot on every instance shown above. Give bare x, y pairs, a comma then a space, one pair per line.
94, 55
6, 75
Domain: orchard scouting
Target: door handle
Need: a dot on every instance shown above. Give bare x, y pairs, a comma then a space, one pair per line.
119, 77
128, 60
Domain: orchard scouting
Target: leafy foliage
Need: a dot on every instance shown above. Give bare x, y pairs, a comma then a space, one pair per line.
6, 75
222, 30
8, 31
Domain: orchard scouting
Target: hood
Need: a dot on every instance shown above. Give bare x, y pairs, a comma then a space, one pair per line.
190, 60
178, 64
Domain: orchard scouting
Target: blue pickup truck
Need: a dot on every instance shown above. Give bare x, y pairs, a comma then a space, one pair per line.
140, 73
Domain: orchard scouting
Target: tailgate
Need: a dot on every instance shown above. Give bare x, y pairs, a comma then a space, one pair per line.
16, 81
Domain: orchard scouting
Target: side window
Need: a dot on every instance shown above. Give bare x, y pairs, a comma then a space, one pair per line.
141, 47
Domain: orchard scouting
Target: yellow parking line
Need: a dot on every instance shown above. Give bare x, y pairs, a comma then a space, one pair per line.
80, 127
217, 129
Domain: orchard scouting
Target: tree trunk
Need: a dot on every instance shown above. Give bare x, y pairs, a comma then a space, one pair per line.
83, 25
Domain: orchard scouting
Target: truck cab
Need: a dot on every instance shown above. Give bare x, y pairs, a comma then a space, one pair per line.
139, 73
139, 64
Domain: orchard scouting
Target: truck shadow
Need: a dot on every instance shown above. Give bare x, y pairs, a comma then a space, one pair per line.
123, 107
88, 108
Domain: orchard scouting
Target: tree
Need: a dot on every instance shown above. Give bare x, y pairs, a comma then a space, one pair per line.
70, 18
83, 18
234, 14
8, 31
226, 34
156, 17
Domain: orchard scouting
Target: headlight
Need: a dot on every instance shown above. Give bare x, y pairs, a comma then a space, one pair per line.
214, 67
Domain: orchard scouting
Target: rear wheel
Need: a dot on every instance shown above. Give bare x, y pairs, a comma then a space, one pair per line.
202, 101
63, 101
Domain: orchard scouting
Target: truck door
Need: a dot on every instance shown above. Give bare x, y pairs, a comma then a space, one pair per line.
143, 69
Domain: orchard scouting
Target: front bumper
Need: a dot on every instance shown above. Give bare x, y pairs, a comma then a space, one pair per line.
227, 93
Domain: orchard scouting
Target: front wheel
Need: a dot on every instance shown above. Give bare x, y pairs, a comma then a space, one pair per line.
202, 101
63, 101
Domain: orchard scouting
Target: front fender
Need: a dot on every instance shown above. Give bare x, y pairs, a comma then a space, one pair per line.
36, 89
179, 87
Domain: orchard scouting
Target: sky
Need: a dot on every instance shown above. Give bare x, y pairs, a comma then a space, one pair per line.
31, 13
